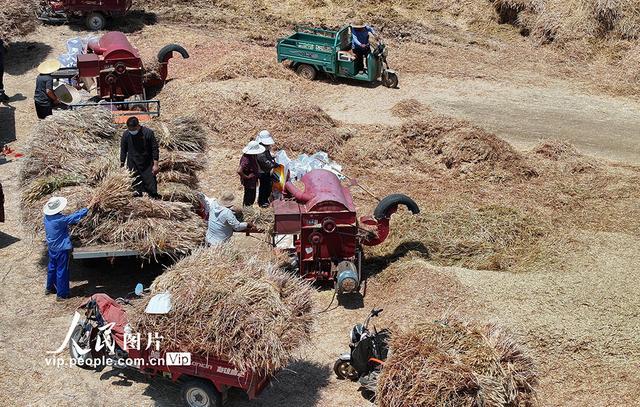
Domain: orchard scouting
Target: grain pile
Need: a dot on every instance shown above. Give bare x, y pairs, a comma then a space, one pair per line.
75, 154
17, 18
237, 306
457, 363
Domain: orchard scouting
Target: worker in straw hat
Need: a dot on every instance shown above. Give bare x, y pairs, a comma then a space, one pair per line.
360, 42
56, 227
222, 221
44, 96
266, 164
249, 171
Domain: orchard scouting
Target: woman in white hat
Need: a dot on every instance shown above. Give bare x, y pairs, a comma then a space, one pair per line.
249, 171
56, 228
44, 96
266, 163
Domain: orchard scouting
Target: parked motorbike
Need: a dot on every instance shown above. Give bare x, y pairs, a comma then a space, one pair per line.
92, 340
368, 351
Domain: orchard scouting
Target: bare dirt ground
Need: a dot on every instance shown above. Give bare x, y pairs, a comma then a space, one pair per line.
581, 322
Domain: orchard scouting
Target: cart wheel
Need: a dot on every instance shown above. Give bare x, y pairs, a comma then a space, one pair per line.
390, 80
307, 71
344, 370
200, 393
83, 339
95, 21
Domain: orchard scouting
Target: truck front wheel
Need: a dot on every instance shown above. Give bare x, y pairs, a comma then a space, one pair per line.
95, 21
200, 393
307, 71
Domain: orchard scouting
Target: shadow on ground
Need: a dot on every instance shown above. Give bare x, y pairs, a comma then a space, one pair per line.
7, 124
376, 264
23, 56
7, 240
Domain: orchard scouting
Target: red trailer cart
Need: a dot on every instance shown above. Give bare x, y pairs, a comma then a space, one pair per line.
94, 13
204, 380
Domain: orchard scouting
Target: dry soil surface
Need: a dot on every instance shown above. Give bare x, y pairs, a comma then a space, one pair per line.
582, 324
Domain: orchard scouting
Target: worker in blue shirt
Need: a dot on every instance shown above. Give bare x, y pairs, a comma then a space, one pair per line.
360, 42
56, 227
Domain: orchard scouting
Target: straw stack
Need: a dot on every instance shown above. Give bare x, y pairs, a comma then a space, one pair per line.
237, 306
457, 363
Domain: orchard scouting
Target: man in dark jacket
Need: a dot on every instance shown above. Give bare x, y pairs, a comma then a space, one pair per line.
139, 148
3, 96
266, 163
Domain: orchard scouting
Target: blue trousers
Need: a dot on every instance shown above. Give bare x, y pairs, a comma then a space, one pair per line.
58, 273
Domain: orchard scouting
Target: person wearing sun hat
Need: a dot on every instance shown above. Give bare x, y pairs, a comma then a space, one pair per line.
360, 42
222, 222
44, 96
56, 227
249, 171
266, 163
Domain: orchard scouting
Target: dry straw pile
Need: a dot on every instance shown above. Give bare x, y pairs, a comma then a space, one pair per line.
457, 363
237, 306
244, 108
567, 20
460, 147
489, 237
17, 18
75, 154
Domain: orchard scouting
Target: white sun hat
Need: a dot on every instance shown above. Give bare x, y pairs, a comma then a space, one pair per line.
253, 148
48, 67
264, 137
54, 205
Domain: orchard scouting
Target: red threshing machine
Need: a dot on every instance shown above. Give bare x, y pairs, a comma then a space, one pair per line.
116, 66
93, 12
327, 234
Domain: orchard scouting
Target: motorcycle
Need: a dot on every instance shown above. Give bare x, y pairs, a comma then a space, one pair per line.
368, 351
100, 335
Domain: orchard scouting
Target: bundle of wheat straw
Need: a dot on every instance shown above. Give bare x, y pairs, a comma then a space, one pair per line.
457, 363
236, 306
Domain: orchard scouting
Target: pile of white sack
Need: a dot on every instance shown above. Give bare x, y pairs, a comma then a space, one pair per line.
305, 163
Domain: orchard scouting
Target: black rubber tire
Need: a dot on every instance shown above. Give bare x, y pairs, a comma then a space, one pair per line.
341, 368
95, 21
394, 200
75, 335
172, 48
390, 80
307, 71
200, 393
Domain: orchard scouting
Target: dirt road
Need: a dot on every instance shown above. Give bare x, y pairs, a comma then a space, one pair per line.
597, 125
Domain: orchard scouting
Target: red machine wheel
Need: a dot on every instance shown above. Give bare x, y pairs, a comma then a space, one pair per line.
95, 21
307, 71
200, 393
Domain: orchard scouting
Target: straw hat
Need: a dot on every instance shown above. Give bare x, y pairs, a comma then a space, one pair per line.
227, 199
253, 148
54, 205
48, 66
359, 24
264, 138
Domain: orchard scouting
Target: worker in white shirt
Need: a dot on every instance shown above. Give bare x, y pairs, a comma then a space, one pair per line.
222, 220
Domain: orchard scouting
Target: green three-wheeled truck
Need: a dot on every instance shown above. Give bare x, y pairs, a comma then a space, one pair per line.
313, 50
